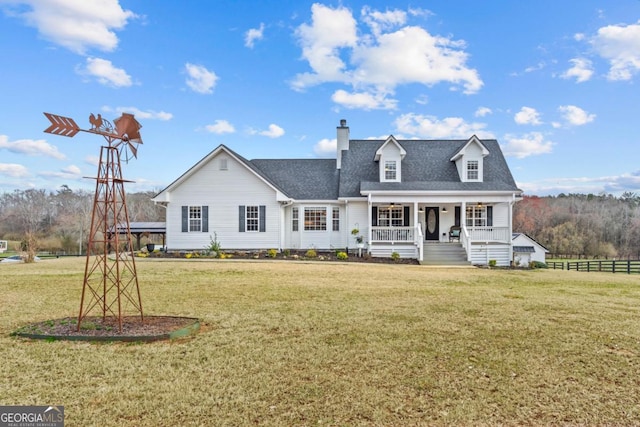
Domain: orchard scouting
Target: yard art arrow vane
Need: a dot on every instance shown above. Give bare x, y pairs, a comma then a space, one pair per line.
64, 126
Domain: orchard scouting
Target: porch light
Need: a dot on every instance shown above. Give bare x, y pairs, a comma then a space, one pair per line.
444, 210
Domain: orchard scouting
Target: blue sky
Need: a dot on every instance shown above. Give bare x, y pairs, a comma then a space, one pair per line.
555, 82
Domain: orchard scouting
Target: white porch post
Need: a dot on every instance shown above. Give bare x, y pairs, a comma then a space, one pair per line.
369, 223
510, 231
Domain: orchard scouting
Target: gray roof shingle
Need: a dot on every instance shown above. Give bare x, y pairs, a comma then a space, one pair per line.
302, 179
427, 166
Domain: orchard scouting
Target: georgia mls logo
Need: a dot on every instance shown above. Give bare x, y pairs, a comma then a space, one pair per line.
31, 416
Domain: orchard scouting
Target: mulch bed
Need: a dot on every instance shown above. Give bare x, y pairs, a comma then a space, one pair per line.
96, 326
290, 256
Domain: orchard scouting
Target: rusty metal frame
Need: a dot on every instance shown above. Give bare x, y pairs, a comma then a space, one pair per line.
110, 284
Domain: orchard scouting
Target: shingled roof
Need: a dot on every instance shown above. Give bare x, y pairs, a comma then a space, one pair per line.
426, 167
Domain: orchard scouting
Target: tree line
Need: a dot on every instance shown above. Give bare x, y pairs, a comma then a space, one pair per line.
582, 225
568, 225
59, 221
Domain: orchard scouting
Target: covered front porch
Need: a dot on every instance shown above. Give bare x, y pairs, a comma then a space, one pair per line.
404, 227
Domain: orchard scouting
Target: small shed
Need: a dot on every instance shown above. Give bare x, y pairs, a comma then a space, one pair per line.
138, 229
526, 250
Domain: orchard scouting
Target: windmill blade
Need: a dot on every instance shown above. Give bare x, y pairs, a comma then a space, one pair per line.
134, 149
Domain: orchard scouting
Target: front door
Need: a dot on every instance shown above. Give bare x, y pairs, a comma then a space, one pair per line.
432, 223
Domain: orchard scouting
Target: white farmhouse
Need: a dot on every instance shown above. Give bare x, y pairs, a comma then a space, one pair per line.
422, 199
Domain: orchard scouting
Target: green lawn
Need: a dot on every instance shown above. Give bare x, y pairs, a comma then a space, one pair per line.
296, 343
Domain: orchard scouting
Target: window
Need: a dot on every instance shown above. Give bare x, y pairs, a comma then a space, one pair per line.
294, 219
336, 219
253, 218
390, 170
393, 216
315, 219
472, 170
195, 218
477, 216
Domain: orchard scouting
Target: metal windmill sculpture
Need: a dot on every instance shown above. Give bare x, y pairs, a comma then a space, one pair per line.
110, 279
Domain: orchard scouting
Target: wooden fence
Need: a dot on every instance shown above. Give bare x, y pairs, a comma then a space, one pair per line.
608, 266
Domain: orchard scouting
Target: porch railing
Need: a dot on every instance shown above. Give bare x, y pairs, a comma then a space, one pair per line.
392, 234
489, 234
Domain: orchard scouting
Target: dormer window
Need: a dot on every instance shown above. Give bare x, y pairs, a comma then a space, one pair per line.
470, 160
472, 170
390, 170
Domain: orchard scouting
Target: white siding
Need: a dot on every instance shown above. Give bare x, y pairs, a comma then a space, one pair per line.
501, 215
316, 239
482, 254
223, 191
358, 217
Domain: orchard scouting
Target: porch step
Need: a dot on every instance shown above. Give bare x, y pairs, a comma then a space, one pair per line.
444, 254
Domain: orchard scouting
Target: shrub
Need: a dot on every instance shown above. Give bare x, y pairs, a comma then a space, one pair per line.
342, 256
395, 256
272, 253
214, 245
537, 264
287, 252
311, 253
492, 263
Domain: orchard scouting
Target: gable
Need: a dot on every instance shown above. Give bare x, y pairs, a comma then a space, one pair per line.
220, 165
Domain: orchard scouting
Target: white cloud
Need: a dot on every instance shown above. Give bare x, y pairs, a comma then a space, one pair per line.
76, 24
200, 79
391, 54
220, 127
69, 172
585, 185
31, 147
252, 35
274, 131
482, 111
330, 30
383, 21
326, 147
428, 127
575, 116
13, 170
106, 74
620, 45
531, 144
142, 115
582, 70
527, 116
363, 100
92, 160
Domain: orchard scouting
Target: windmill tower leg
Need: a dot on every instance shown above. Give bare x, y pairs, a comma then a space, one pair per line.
110, 287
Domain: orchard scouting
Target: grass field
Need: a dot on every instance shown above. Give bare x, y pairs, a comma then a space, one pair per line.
293, 343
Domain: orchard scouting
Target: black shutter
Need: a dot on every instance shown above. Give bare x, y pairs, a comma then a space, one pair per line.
185, 219
489, 216
205, 219
263, 219
457, 216
374, 216
241, 212
406, 216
